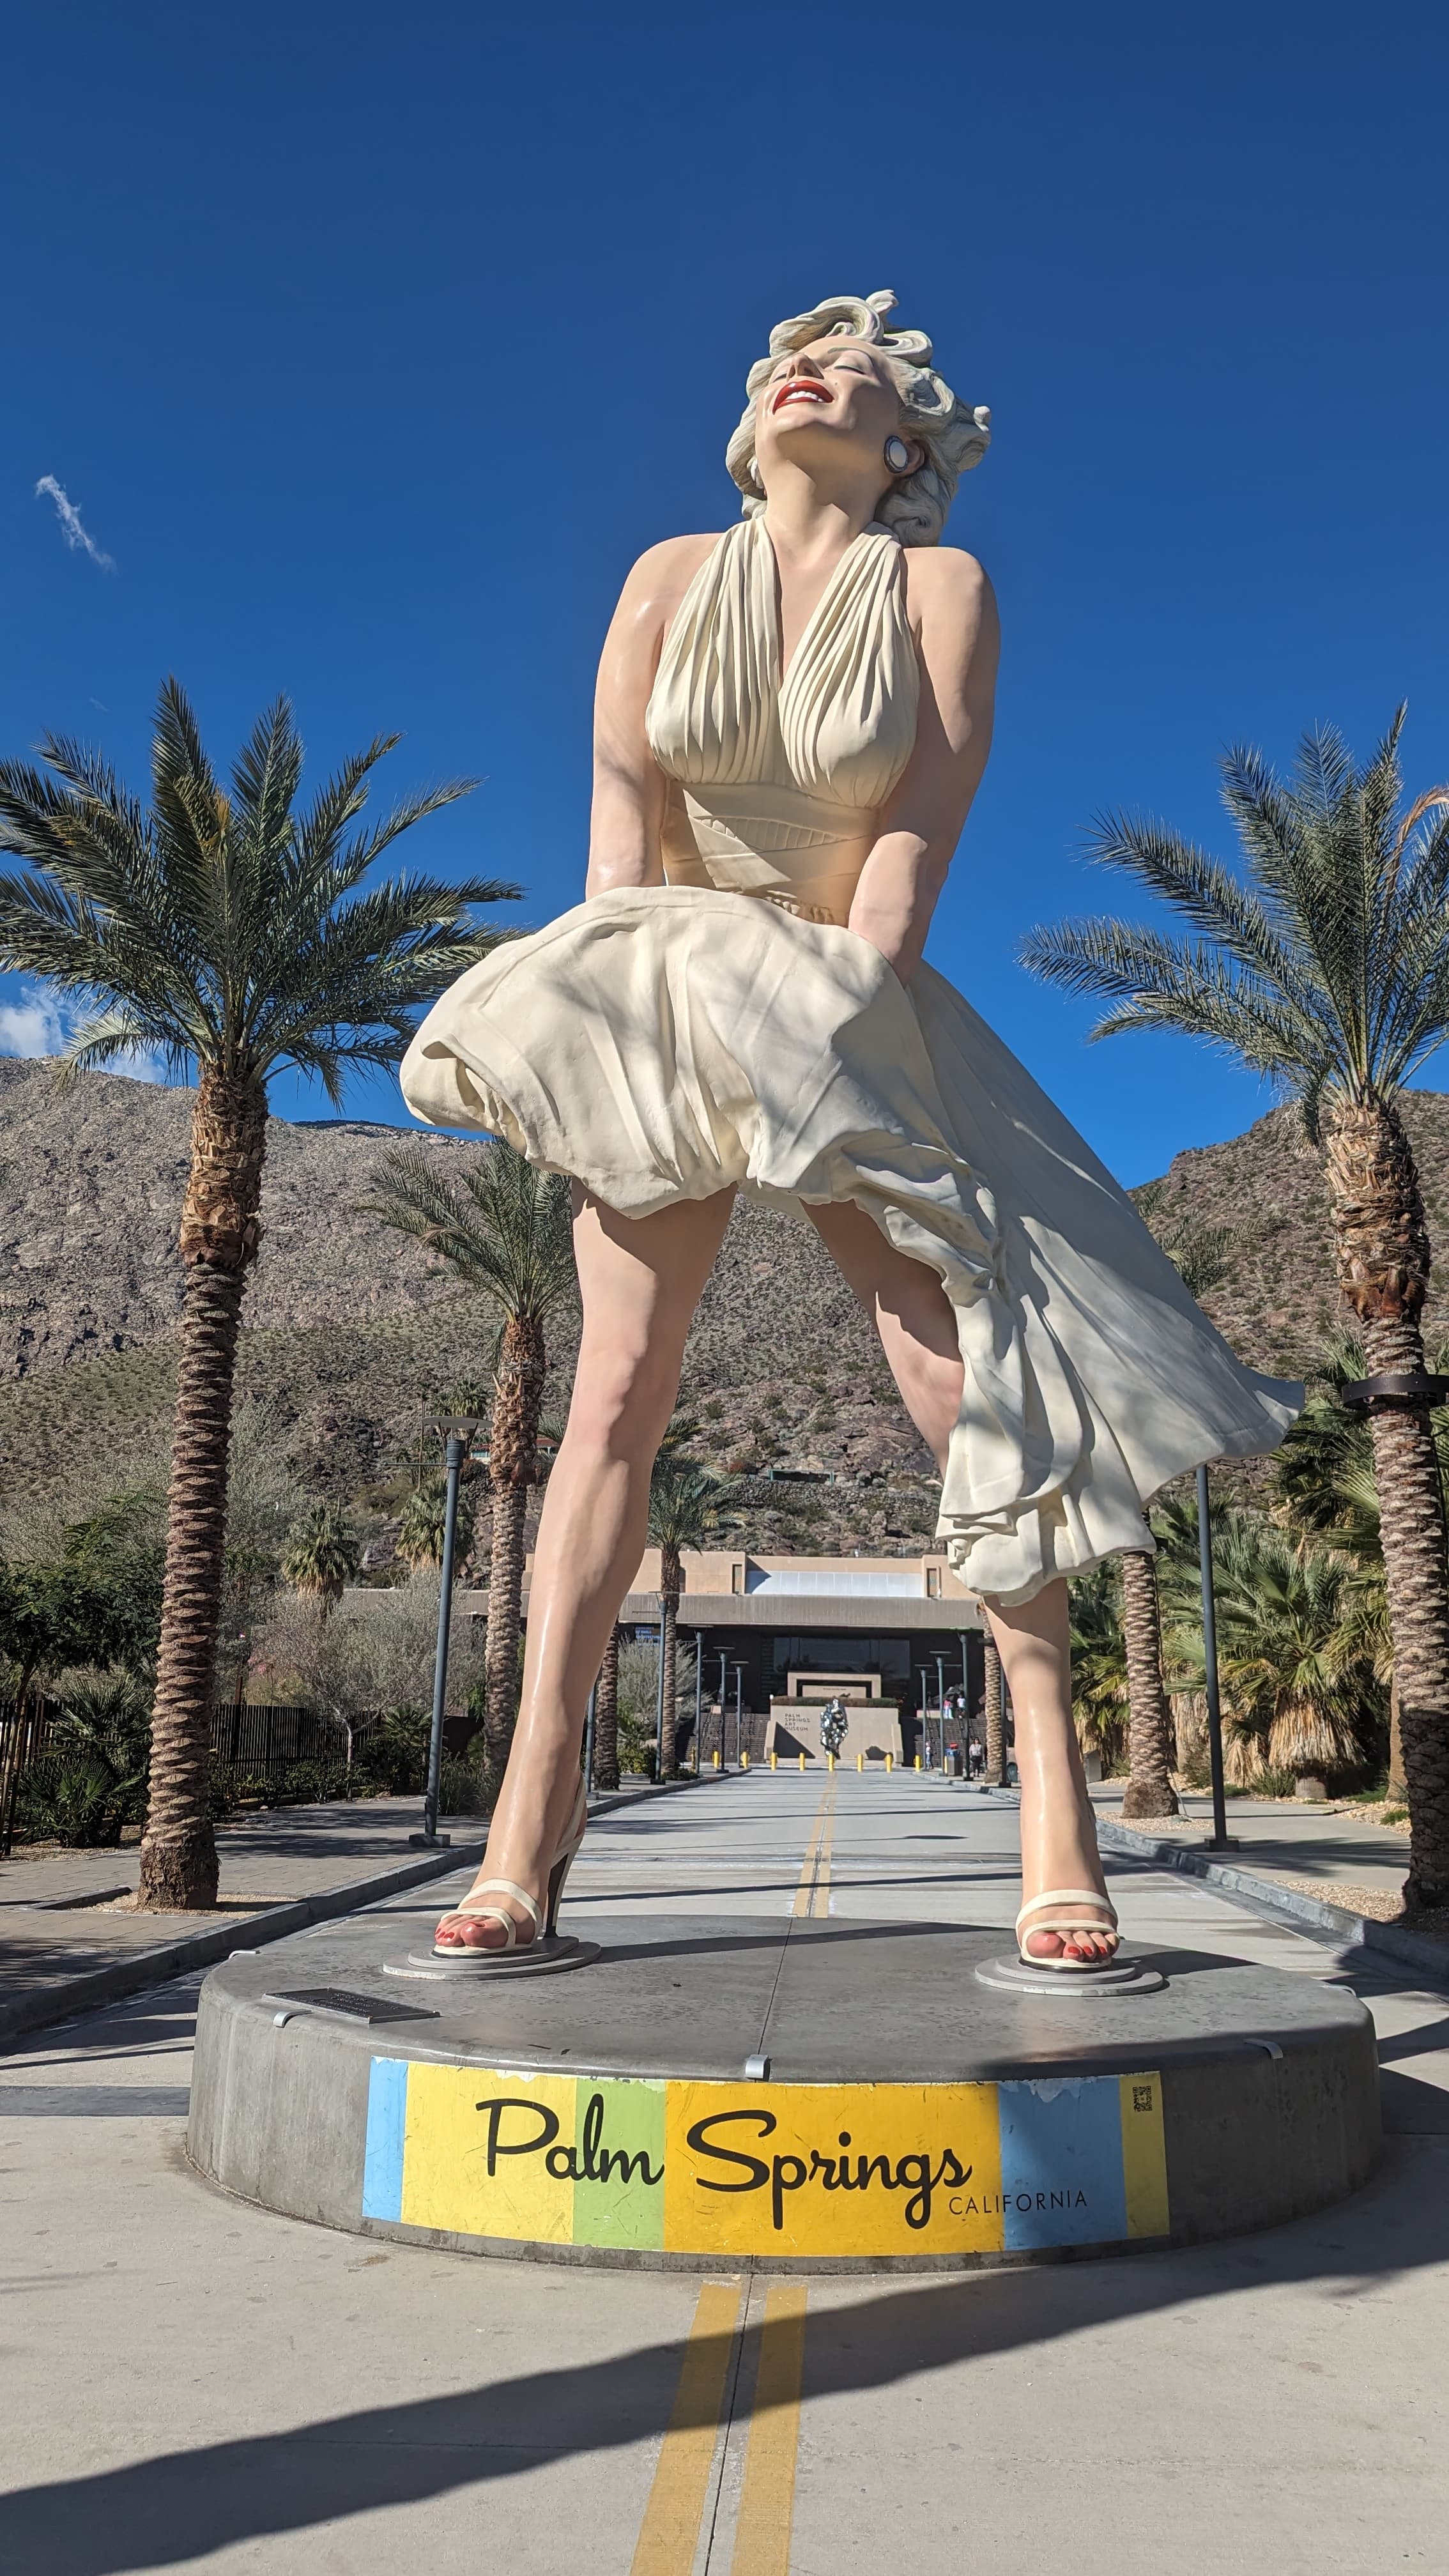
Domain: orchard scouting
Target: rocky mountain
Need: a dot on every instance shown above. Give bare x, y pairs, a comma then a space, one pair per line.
351, 1341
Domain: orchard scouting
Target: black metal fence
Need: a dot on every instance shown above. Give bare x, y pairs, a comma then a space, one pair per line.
252, 1743
264, 1740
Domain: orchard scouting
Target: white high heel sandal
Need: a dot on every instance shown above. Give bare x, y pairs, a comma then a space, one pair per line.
545, 1917
1064, 1925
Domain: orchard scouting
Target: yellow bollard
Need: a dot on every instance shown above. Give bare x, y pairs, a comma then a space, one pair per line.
918, 1761
716, 1757
802, 1761
774, 1761
830, 1761
860, 1761
744, 1761
890, 1762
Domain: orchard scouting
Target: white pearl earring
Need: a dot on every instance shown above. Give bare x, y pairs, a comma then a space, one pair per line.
897, 455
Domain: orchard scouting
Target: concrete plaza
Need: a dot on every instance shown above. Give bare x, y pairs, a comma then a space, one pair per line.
190, 2382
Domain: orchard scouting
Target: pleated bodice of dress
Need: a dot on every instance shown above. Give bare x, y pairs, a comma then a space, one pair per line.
777, 780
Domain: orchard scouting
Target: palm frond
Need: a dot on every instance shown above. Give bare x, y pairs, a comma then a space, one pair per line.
1323, 963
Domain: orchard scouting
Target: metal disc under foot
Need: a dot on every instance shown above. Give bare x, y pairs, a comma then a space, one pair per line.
471, 1967
1121, 1977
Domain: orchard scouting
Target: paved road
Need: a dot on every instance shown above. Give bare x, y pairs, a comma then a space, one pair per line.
188, 2382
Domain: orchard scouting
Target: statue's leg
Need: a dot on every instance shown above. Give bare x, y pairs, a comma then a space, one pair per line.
640, 1280
912, 1314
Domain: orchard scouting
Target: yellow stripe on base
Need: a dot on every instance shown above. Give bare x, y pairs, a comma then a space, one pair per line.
1144, 2156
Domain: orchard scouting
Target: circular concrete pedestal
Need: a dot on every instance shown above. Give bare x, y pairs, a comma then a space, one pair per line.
802, 2096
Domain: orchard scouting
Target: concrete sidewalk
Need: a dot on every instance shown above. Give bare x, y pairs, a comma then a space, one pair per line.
1302, 1845
63, 1947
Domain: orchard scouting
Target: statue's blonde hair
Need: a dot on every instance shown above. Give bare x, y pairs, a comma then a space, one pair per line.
955, 435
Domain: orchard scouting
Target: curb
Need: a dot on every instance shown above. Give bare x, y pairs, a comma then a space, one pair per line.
1332, 1924
131, 1976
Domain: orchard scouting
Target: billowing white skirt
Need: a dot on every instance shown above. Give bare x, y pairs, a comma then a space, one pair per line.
660, 1043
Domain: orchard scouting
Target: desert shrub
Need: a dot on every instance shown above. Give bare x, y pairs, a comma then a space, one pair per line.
460, 1789
392, 1758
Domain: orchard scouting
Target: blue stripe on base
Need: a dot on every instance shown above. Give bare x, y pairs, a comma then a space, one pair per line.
387, 2109
1061, 2163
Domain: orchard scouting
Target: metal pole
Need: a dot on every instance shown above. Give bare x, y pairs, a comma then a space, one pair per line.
1210, 1664
589, 1741
724, 1684
739, 1722
430, 1838
925, 1672
966, 1706
698, 1693
940, 1662
659, 1706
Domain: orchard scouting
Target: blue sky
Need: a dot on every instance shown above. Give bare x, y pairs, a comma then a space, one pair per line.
373, 343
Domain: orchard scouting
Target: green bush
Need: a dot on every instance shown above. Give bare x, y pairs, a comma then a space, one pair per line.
75, 1799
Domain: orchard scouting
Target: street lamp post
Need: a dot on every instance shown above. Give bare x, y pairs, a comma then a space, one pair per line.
589, 1741
1220, 1840
966, 1703
739, 1720
724, 1683
659, 1704
698, 1693
940, 1662
458, 1433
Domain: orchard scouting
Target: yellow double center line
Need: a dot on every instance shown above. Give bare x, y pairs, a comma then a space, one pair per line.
812, 1896
674, 2516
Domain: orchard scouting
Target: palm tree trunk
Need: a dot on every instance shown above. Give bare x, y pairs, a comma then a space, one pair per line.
512, 1465
219, 1237
1382, 1244
1149, 1790
995, 1718
1416, 1578
606, 1717
669, 1591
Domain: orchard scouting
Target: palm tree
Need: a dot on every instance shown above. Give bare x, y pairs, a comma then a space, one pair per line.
606, 1717
502, 1226
1326, 969
1150, 1733
321, 1557
1200, 1254
1099, 1662
230, 933
1326, 1489
686, 1507
422, 1528
994, 1698
1295, 1660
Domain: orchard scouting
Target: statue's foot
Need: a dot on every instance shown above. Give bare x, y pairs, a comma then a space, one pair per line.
505, 1913
1071, 1921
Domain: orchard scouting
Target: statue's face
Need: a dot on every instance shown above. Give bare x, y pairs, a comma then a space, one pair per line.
836, 402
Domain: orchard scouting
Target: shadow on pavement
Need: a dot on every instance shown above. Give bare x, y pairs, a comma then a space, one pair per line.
185, 2506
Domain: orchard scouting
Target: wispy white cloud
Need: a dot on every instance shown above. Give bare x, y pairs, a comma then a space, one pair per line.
68, 513
37, 1024
31, 1026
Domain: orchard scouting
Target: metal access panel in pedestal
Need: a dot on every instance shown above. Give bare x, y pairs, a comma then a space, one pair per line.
898, 2114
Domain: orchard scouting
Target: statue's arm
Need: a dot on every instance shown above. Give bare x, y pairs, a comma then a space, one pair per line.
959, 640
629, 787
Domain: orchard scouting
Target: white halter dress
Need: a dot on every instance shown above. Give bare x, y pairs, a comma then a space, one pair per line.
726, 1028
